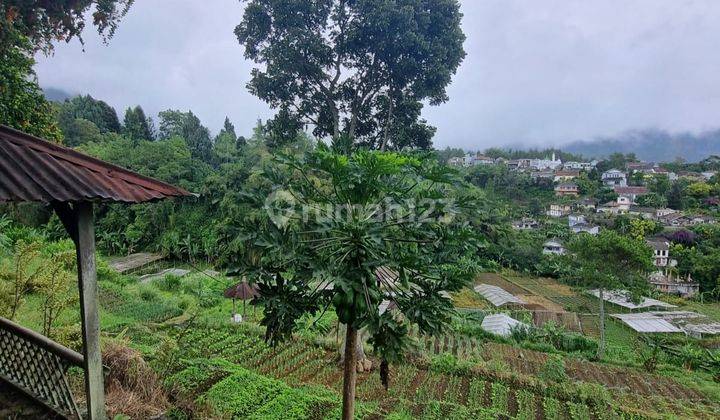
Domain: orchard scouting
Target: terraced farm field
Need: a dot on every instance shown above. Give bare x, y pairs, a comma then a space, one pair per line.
418, 392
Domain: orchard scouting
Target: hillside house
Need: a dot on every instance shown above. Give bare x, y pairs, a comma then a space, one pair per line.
644, 212
661, 252
559, 210
580, 166
567, 189
553, 247
575, 219
526, 223
537, 176
586, 204
585, 228
456, 161
672, 176
619, 206
671, 219
518, 164
664, 212
566, 175
613, 178
667, 283
632, 193
642, 167
708, 174
478, 159
542, 164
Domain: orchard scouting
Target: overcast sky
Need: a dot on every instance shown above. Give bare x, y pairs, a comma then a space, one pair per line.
537, 72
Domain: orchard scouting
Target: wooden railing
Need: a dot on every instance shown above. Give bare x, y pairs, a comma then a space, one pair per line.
38, 366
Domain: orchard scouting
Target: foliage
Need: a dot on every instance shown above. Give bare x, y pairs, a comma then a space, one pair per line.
554, 370
74, 114
188, 127
22, 103
653, 200
136, 126
248, 395
22, 277
44, 24
59, 284
362, 69
363, 212
589, 255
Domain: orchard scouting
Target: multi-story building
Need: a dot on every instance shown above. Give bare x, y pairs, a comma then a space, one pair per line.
613, 178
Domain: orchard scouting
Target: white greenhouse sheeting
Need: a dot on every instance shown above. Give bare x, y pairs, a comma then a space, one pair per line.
500, 324
497, 295
621, 298
647, 323
702, 329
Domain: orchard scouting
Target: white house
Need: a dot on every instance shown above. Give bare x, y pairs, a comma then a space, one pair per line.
575, 219
632, 193
661, 252
540, 164
614, 177
553, 247
585, 228
559, 210
526, 224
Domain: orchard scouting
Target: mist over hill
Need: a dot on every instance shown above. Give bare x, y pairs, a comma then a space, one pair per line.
56, 94
652, 145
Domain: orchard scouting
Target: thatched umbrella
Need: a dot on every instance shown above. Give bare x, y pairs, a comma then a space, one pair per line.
243, 291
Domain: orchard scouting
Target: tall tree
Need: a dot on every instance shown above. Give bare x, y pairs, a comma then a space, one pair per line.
228, 128
136, 125
631, 261
355, 70
86, 108
189, 127
332, 221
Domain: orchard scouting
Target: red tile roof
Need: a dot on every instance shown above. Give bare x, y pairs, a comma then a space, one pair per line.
33, 169
631, 190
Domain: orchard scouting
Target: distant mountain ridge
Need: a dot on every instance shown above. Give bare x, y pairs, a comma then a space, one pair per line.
56, 94
651, 145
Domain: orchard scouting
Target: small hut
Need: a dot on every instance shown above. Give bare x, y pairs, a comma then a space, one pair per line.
35, 170
243, 291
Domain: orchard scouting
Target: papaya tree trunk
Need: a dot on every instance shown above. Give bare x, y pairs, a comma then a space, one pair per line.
349, 374
601, 347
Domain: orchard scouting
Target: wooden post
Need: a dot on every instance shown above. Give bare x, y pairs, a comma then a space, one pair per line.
87, 281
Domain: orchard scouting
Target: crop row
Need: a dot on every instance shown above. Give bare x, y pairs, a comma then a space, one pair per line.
428, 394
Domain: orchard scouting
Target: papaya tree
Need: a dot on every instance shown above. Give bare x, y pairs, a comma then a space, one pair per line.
330, 221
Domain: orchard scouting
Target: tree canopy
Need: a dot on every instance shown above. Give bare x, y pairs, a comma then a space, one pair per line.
358, 69
331, 221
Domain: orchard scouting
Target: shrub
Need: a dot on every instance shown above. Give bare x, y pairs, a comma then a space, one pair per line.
168, 283
148, 294
553, 370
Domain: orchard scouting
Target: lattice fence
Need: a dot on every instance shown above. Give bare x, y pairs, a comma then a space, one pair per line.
38, 366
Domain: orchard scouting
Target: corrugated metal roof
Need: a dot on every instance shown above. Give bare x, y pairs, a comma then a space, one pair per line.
647, 323
36, 170
621, 298
497, 295
500, 324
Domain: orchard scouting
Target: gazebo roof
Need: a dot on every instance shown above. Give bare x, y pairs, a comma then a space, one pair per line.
36, 170
242, 291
